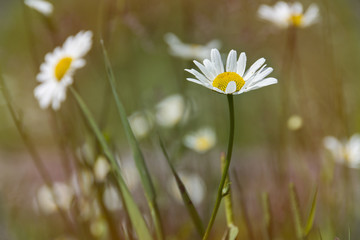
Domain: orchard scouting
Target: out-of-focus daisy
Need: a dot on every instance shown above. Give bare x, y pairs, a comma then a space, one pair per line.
83, 182
56, 73
48, 200
171, 110
141, 124
233, 79
284, 14
194, 185
112, 199
200, 141
346, 152
44, 7
294, 122
189, 51
101, 168
130, 173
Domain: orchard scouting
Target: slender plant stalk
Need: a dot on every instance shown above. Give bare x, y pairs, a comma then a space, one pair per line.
134, 212
226, 167
35, 156
138, 156
227, 198
184, 194
243, 206
265, 202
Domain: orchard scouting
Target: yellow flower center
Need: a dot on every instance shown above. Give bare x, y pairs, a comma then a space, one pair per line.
223, 79
202, 144
296, 20
62, 67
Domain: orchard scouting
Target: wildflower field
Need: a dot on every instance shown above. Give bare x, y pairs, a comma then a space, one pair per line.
175, 120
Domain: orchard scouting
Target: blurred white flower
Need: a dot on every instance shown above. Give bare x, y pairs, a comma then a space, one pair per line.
112, 199
171, 110
101, 168
56, 73
294, 122
130, 173
42, 6
232, 80
60, 196
141, 124
346, 152
189, 51
284, 14
83, 182
194, 185
201, 141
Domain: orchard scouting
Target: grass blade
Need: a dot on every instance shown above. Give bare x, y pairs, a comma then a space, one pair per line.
296, 211
267, 215
310, 220
133, 210
138, 156
184, 194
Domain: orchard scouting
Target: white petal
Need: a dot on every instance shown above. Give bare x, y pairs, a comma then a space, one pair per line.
198, 75
250, 72
202, 68
263, 83
241, 64
210, 67
231, 61
216, 60
230, 88
311, 15
297, 8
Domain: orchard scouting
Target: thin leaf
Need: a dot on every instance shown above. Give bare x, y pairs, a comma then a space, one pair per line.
267, 214
184, 194
296, 211
138, 156
310, 220
133, 210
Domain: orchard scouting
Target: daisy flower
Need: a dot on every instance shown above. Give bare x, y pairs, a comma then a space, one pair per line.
284, 14
171, 110
200, 141
345, 152
232, 79
189, 51
56, 73
41, 6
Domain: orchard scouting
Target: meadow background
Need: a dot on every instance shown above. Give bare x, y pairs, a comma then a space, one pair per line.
322, 83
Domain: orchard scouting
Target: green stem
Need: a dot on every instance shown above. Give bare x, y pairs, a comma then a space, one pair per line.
226, 167
184, 194
227, 199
